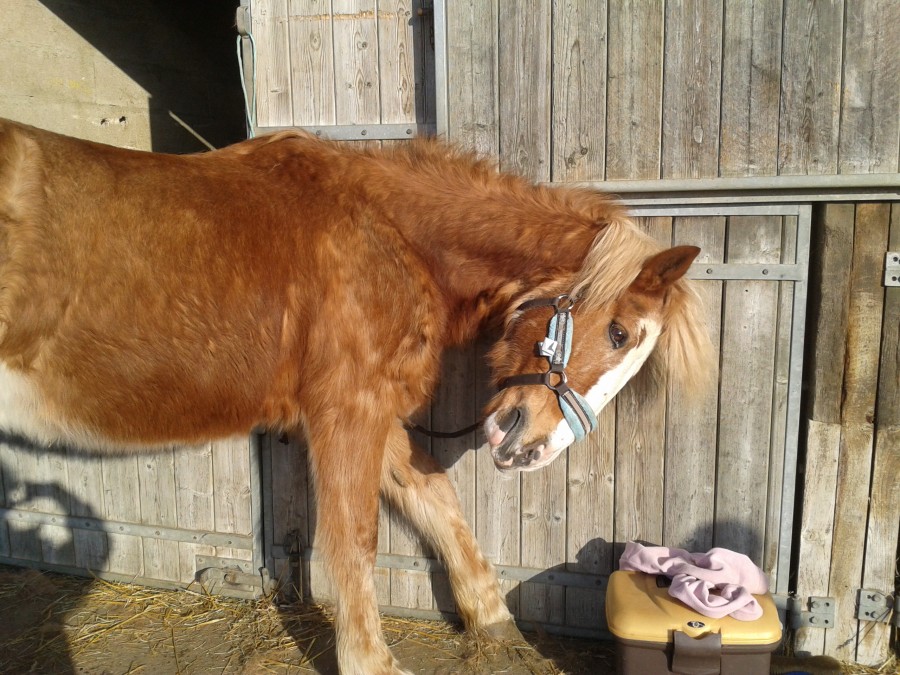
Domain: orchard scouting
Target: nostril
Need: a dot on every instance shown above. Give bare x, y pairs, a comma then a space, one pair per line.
533, 454
509, 420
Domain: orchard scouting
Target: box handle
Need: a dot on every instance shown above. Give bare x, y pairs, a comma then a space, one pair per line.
697, 656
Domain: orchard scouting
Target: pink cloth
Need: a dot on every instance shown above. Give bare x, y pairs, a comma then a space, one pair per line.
716, 584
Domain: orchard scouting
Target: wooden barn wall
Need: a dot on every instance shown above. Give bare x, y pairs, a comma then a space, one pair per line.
116, 73
587, 90
851, 506
591, 90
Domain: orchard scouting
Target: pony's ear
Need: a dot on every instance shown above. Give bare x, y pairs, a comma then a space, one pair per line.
665, 268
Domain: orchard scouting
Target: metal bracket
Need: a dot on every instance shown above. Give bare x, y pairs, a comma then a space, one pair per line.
874, 606
228, 576
892, 268
819, 612
242, 20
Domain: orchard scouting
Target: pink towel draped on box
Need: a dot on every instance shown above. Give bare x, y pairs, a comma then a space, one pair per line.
716, 584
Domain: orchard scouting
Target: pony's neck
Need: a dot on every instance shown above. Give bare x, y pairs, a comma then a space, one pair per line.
488, 239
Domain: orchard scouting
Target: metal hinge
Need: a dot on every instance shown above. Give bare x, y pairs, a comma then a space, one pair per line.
876, 606
228, 576
818, 612
892, 268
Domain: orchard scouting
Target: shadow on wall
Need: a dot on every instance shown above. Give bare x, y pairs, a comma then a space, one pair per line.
541, 600
181, 53
26, 612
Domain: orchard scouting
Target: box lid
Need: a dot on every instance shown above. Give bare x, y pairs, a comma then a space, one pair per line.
637, 608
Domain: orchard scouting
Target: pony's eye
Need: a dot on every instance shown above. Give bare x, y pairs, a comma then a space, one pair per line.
617, 335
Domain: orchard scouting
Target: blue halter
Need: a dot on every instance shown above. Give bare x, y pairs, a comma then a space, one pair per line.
556, 348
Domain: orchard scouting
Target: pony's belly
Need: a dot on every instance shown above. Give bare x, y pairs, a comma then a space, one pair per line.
24, 412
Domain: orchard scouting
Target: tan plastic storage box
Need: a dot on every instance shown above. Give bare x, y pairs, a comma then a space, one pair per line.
657, 634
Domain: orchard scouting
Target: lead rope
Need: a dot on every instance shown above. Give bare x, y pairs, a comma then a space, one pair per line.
445, 434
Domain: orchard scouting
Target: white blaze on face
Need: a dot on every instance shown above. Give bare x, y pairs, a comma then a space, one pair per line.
610, 382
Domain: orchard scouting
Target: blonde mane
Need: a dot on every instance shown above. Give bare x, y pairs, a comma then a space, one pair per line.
684, 350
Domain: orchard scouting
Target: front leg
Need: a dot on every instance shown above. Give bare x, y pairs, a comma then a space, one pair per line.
419, 488
346, 450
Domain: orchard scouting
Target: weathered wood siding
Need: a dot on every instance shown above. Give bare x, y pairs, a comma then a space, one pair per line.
851, 508
690, 89
572, 90
345, 62
115, 73
142, 517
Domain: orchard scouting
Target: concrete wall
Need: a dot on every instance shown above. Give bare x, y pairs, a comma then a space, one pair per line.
119, 71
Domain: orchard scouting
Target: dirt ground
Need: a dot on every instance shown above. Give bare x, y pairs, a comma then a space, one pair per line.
59, 624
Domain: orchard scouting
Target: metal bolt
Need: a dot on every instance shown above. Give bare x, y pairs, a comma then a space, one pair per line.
765, 272
362, 133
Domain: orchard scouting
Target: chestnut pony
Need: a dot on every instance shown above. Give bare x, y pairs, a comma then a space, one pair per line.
299, 285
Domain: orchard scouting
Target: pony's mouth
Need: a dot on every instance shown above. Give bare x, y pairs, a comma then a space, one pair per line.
504, 431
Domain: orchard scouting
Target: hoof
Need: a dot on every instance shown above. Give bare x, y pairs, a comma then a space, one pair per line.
504, 630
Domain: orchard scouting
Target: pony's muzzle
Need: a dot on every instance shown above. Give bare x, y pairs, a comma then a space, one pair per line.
521, 458
504, 432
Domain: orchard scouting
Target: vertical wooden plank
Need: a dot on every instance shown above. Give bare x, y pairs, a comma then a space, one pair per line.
473, 78
780, 382
291, 495
823, 444
830, 260
37, 480
356, 62
634, 113
751, 88
231, 476
810, 97
122, 502
525, 53
312, 62
157, 491
879, 566
498, 500
748, 354
85, 499
640, 446
579, 90
48, 493
857, 417
691, 95
640, 468
455, 408
690, 474
407, 588
410, 589
193, 504
525, 88
397, 61
590, 503
269, 23
870, 96
544, 540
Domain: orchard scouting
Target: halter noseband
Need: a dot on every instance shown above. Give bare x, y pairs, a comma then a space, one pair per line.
556, 347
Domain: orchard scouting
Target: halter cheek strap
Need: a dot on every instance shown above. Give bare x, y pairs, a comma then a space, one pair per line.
556, 348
